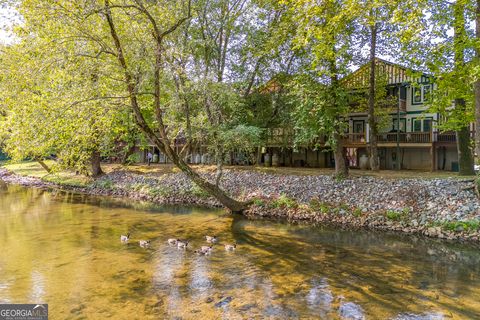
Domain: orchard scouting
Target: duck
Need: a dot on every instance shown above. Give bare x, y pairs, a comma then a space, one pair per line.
230, 247
206, 248
144, 243
200, 252
211, 239
173, 241
182, 244
124, 238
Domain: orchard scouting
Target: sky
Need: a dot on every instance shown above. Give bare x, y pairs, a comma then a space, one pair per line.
6, 18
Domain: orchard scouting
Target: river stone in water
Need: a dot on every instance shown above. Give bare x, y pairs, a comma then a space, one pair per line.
351, 311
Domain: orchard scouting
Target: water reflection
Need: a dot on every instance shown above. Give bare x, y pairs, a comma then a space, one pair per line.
64, 249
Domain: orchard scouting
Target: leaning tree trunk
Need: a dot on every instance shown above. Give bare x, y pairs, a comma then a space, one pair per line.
96, 166
372, 121
222, 197
161, 140
44, 166
341, 168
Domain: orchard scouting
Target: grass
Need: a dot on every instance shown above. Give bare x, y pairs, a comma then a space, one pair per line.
33, 169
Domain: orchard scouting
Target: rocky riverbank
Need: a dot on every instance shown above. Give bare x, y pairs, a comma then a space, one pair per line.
445, 208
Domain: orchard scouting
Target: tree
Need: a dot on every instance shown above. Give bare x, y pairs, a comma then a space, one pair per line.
428, 45
375, 30
40, 121
325, 30
477, 81
172, 64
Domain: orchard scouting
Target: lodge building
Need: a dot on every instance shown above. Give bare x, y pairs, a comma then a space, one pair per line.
409, 137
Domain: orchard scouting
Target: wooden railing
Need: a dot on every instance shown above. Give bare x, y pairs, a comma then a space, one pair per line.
355, 138
445, 137
405, 137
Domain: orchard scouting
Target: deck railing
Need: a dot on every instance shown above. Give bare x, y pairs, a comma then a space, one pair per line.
355, 138
445, 137
405, 137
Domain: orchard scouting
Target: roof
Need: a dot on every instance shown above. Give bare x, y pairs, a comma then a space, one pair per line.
396, 74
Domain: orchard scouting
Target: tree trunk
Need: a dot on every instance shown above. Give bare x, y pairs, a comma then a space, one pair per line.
372, 121
477, 83
341, 168
230, 203
44, 166
219, 172
128, 153
95, 162
465, 155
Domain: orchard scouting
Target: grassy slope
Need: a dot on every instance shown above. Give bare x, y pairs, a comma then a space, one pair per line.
33, 169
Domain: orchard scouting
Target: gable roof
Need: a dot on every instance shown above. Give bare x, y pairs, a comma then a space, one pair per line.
396, 74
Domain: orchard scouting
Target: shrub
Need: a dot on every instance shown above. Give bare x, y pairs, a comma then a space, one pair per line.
468, 225
317, 205
258, 202
393, 215
159, 191
357, 212
198, 192
284, 202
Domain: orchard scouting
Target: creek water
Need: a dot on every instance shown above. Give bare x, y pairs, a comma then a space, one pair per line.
64, 249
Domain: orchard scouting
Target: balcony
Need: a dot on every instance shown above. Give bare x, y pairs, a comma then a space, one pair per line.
405, 137
445, 137
355, 139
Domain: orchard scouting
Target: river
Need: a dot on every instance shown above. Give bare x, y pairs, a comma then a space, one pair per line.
64, 249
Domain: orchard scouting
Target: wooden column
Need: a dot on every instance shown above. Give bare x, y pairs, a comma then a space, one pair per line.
433, 157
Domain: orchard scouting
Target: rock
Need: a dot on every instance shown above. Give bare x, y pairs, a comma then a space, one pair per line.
223, 302
209, 300
351, 311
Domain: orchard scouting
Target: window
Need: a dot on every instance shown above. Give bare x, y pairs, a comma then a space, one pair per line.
416, 125
421, 94
422, 125
427, 125
358, 126
417, 95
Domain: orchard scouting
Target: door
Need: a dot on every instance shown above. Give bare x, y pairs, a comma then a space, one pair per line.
358, 130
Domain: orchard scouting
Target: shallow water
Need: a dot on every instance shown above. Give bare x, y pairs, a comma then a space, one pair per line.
64, 249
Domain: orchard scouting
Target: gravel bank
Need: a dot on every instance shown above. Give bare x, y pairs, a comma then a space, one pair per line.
445, 208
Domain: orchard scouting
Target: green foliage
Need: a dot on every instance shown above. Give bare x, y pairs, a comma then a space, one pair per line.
133, 158
468, 225
104, 184
159, 191
284, 202
393, 215
317, 205
258, 202
198, 192
357, 212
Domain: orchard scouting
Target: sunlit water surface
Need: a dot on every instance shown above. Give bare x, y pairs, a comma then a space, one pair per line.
64, 249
